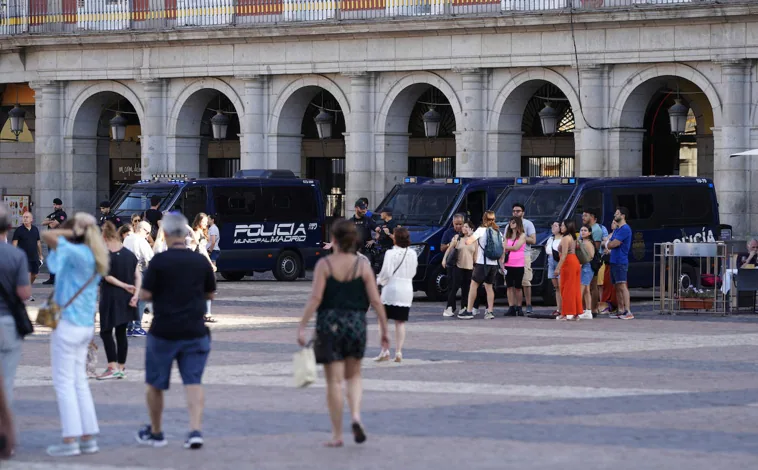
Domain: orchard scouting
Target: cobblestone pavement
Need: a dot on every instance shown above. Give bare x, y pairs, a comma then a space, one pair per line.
656, 392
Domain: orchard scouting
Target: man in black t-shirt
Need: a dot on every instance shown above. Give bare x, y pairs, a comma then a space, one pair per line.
364, 224
178, 282
107, 216
386, 230
53, 221
27, 238
153, 215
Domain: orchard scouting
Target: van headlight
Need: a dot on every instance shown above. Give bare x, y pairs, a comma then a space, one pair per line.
535, 252
418, 249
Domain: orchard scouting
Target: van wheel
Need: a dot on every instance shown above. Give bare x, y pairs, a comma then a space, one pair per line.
437, 284
288, 266
233, 276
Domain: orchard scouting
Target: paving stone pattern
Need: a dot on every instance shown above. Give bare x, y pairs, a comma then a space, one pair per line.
656, 392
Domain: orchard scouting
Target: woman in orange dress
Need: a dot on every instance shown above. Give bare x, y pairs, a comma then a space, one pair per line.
569, 271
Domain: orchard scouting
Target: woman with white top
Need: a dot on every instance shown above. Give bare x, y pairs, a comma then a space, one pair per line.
199, 244
214, 238
553, 248
396, 277
485, 269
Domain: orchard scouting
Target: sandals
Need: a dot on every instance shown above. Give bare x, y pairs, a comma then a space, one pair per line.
334, 444
358, 433
209, 319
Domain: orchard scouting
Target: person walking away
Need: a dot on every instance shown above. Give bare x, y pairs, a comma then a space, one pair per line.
214, 239
569, 271
619, 245
515, 248
445, 244
460, 274
200, 244
178, 282
589, 218
119, 296
518, 210
79, 259
136, 242
396, 277
585, 238
52, 222
27, 238
15, 286
553, 252
107, 216
608, 295
485, 269
153, 215
343, 288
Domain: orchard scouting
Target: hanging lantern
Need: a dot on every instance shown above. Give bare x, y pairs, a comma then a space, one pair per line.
678, 117
323, 122
432, 120
17, 115
219, 125
118, 127
549, 119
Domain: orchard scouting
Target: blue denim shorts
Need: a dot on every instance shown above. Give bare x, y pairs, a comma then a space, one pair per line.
587, 274
618, 273
190, 354
214, 255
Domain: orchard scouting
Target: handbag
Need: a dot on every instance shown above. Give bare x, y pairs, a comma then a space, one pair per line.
24, 325
304, 366
50, 314
451, 260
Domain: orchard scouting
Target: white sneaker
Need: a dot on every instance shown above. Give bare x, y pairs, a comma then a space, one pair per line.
569, 317
489, 316
587, 315
475, 312
448, 312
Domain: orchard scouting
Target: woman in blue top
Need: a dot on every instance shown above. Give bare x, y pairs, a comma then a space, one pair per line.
79, 259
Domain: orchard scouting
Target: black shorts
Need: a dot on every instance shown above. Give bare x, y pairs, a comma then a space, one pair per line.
484, 273
514, 276
34, 267
397, 313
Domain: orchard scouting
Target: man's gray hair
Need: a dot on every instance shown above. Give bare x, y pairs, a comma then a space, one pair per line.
174, 225
5, 218
460, 215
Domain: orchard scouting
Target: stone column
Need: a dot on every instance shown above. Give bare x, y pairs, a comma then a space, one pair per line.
752, 167
48, 147
359, 149
153, 139
730, 175
590, 119
253, 123
504, 150
470, 156
625, 152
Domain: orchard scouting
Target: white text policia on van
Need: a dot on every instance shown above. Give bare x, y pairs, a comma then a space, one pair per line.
706, 236
257, 233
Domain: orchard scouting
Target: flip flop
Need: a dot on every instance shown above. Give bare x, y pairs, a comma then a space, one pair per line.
358, 433
333, 444
208, 319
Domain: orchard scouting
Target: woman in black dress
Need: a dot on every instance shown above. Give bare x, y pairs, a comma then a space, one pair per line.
119, 293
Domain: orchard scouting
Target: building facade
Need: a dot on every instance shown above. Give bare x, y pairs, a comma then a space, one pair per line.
610, 69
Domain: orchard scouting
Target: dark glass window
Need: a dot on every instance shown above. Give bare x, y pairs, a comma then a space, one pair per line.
288, 203
194, 201
236, 203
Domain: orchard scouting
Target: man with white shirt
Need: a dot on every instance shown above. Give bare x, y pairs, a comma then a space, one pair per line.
136, 242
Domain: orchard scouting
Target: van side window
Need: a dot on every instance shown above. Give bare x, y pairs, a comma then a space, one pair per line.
236, 203
690, 206
592, 199
194, 202
288, 203
644, 212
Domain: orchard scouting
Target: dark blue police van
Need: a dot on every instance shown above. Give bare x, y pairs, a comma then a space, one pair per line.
269, 220
662, 209
425, 206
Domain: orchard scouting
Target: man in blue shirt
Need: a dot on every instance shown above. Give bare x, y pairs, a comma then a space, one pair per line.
619, 244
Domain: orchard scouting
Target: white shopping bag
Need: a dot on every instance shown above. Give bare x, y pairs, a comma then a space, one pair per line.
304, 367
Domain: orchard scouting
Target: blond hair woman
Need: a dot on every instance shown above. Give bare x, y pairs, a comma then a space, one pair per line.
79, 259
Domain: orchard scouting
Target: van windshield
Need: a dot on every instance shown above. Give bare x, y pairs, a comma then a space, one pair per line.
543, 204
137, 199
422, 205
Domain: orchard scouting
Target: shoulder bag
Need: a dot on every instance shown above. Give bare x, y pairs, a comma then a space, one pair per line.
24, 326
50, 314
452, 257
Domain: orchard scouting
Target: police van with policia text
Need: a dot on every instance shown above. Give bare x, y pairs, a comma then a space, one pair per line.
269, 220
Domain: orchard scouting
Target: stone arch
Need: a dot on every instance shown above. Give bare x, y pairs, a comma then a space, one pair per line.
628, 155
620, 111
395, 108
184, 115
289, 109
507, 113
76, 122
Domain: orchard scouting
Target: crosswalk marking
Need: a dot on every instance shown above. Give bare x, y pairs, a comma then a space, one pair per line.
664, 343
18, 465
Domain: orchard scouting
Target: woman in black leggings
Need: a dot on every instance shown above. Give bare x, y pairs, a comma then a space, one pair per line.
119, 293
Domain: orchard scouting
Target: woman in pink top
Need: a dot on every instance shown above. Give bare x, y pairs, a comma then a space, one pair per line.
514, 244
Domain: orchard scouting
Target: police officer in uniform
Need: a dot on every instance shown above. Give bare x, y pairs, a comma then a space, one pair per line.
53, 221
364, 224
106, 216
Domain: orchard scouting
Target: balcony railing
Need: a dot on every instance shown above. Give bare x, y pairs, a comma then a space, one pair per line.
69, 16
